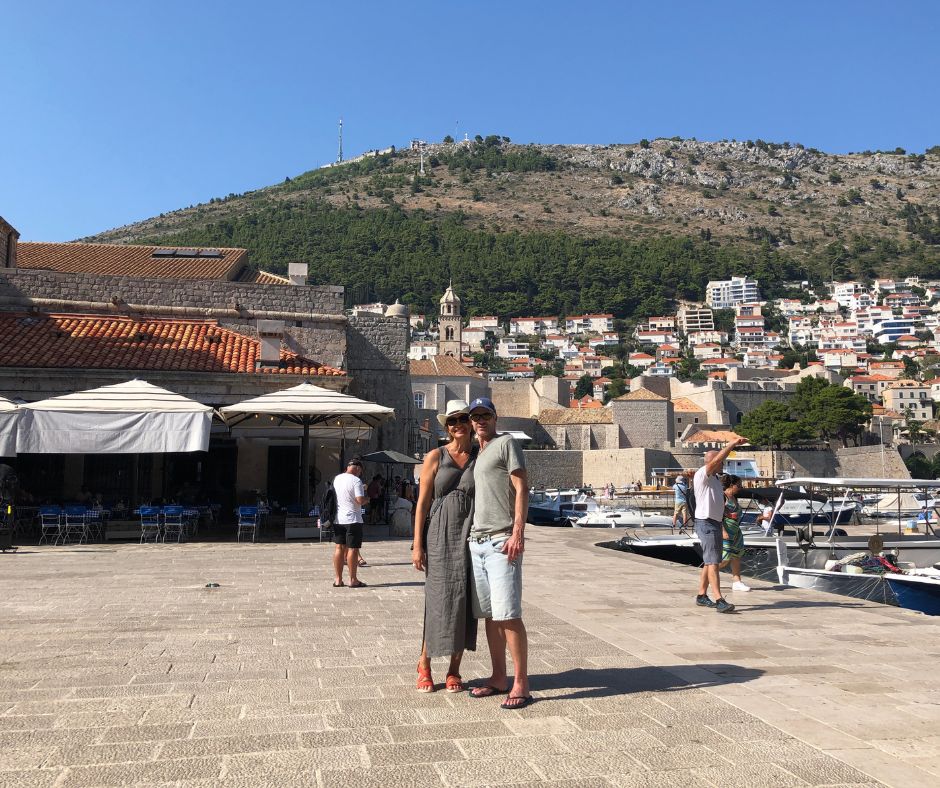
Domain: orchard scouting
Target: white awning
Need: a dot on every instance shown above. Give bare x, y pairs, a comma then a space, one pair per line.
311, 404
127, 418
9, 416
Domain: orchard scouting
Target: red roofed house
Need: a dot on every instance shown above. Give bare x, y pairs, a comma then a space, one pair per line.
201, 322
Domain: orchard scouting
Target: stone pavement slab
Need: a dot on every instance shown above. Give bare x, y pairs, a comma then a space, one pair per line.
118, 666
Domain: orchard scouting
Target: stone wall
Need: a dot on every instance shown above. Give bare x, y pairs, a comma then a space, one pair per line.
745, 397
377, 361
527, 398
580, 436
8, 236
871, 462
644, 423
554, 468
20, 286
626, 466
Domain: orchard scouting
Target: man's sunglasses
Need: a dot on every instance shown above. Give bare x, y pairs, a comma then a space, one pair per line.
453, 421
484, 416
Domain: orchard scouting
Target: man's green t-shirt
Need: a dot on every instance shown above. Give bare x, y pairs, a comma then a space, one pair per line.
495, 497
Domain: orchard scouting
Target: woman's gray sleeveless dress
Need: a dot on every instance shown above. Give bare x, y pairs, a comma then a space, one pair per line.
449, 626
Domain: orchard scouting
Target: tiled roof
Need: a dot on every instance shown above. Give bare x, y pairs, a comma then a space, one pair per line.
440, 366
94, 342
638, 395
126, 260
554, 416
263, 278
682, 404
711, 436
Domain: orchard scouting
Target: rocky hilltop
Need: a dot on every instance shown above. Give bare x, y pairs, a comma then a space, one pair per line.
791, 196
546, 229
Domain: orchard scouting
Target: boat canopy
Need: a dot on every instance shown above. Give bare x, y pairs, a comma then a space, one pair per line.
773, 493
862, 483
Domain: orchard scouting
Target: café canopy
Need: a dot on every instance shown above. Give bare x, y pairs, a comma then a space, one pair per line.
134, 417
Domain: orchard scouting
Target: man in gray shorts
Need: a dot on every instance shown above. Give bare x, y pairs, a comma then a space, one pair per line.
709, 515
501, 503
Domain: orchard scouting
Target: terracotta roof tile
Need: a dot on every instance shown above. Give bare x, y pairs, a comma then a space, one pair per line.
712, 436
686, 405
127, 260
639, 394
91, 342
263, 278
440, 366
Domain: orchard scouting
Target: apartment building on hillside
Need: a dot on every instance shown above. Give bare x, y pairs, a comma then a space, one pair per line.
728, 293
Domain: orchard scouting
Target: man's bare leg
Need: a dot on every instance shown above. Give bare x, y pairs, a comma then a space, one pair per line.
517, 640
339, 561
498, 680
713, 580
352, 561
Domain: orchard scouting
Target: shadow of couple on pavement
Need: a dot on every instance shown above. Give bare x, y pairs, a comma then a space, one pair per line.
606, 682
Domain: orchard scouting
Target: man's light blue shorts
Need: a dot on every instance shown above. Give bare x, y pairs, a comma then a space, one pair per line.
497, 581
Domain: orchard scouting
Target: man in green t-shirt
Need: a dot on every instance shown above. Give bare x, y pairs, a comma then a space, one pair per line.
501, 503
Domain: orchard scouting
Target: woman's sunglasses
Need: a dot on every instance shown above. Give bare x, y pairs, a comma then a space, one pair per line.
453, 421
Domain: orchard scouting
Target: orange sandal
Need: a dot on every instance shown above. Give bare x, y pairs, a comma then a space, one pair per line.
454, 683
425, 682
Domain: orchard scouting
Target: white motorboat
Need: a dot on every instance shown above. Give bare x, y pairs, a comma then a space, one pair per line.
560, 507
911, 588
623, 518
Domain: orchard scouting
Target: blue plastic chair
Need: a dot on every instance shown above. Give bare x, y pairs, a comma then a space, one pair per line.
247, 522
173, 524
149, 523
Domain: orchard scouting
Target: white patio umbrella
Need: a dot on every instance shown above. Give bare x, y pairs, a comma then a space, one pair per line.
315, 409
9, 415
127, 418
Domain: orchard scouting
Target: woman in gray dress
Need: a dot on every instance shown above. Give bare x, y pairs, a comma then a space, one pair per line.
440, 548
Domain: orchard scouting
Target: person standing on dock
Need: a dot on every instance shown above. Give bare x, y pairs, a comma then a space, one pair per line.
709, 514
680, 510
497, 543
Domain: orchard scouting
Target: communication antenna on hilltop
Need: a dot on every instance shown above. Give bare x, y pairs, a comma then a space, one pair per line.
339, 156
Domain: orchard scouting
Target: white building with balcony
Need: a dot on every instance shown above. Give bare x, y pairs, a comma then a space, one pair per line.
728, 293
582, 324
692, 319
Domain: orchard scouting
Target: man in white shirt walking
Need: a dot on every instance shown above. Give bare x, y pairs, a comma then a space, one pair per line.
709, 516
347, 530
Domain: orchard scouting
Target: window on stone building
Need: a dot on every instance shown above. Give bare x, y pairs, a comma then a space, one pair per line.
419, 400
450, 333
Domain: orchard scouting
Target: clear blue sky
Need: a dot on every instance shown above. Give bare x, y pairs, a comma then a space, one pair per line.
114, 111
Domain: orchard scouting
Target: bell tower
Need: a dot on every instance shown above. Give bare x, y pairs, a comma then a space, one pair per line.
449, 322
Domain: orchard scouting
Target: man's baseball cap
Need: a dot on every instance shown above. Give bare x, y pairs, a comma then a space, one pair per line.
482, 402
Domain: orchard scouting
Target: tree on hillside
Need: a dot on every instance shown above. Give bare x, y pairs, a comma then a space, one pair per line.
617, 387
585, 386
771, 425
836, 412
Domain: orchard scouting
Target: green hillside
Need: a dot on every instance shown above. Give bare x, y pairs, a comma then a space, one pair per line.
549, 229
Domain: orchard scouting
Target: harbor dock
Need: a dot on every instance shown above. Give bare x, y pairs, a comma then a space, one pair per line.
118, 665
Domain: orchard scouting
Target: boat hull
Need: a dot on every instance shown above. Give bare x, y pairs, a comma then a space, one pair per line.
915, 593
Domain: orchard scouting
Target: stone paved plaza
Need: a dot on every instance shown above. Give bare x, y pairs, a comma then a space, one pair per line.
118, 666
